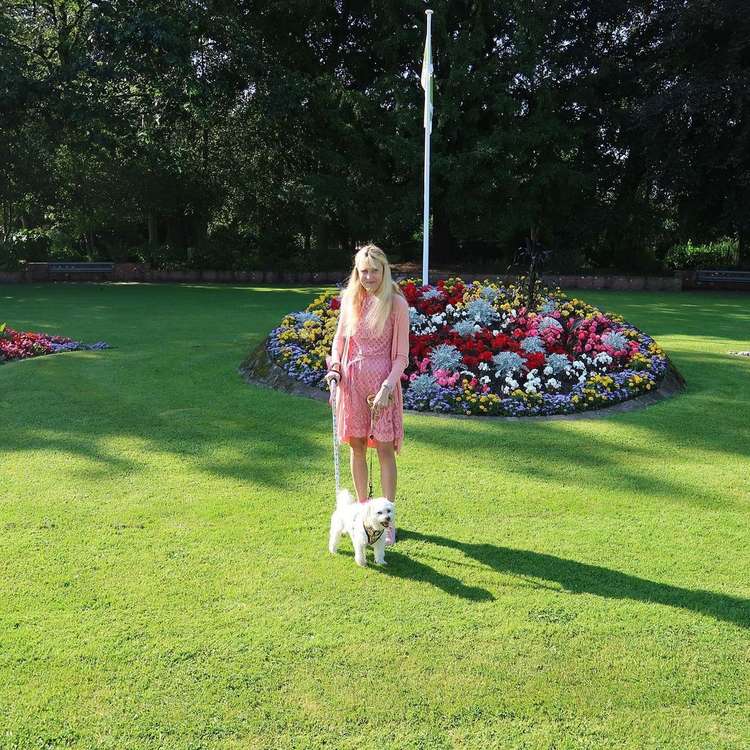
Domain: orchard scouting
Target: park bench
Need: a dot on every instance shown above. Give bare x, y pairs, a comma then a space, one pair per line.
82, 267
725, 279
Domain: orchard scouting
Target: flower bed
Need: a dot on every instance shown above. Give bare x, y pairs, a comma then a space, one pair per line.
25, 344
475, 349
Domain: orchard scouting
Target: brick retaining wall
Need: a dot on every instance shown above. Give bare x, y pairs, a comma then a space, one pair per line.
136, 272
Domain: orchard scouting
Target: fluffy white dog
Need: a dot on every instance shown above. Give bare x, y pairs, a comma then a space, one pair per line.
364, 522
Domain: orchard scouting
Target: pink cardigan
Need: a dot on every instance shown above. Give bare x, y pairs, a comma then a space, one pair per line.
399, 345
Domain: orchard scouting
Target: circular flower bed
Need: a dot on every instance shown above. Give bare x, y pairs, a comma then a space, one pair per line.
475, 349
25, 344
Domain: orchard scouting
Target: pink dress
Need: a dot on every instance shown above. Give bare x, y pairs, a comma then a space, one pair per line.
370, 360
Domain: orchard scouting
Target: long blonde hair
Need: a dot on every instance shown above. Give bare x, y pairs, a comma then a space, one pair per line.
354, 293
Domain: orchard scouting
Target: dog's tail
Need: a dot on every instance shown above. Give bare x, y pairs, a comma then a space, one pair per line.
343, 498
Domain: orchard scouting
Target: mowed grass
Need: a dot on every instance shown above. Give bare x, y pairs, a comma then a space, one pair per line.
165, 581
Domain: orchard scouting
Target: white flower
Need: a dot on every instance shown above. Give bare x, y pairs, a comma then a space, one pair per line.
483, 366
494, 333
552, 383
548, 370
449, 308
484, 379
513, 384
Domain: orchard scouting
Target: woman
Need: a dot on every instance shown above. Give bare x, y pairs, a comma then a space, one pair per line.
369, 354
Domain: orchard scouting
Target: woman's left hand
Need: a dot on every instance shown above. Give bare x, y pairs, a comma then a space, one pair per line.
382, 398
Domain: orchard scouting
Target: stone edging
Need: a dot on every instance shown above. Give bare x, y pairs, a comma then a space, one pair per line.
258, 369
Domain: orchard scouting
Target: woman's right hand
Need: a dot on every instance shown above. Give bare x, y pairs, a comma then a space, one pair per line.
332, 375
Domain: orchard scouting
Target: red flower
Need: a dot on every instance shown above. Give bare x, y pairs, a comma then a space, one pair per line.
535, 360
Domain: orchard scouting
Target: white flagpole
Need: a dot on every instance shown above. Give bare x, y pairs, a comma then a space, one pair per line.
427, 84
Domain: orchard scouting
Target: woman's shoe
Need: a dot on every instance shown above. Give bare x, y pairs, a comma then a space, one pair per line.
390, 536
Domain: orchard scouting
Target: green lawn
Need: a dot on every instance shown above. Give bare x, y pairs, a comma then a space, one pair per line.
165, 583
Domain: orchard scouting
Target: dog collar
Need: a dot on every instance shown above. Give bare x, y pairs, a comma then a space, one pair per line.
372, 535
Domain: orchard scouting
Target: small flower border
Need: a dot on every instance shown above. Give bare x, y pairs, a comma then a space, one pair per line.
16, 345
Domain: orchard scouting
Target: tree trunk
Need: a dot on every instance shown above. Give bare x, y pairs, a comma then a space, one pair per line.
743, 240
176, 232
443, 245
88, 237
153, 232
7, 220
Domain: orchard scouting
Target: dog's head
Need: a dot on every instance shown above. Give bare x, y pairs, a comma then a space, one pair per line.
381, 513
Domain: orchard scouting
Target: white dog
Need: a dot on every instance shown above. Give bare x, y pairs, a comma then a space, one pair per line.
364, 522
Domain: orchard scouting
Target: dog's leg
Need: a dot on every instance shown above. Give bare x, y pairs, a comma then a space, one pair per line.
379, 548
336, 528
360, 554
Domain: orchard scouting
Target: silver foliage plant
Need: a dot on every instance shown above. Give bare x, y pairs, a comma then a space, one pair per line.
482, 312
507, 363
548, 322
615, 340
558, 362
424, 386
532, 345
464, 328
433, 293
445, 357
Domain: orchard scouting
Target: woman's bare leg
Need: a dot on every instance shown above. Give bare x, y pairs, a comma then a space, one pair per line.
388, 474
387, 459
358, 463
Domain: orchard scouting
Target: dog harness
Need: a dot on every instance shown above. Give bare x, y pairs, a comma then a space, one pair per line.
372, 535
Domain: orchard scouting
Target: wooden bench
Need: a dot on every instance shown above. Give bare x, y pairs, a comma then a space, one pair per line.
722, 279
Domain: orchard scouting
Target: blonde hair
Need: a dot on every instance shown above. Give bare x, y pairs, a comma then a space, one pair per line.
354, 293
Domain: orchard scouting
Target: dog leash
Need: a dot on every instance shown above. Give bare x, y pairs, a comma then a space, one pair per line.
370, 403
335, 392
336, 470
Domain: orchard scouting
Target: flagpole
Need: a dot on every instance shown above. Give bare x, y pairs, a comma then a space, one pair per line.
427, 130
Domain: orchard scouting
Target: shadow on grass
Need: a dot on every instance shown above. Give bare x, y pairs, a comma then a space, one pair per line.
401, 566
581, 578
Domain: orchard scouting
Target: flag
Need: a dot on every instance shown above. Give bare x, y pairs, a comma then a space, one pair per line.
427, 81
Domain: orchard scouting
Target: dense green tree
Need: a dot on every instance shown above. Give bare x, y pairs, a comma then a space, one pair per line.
243, 134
